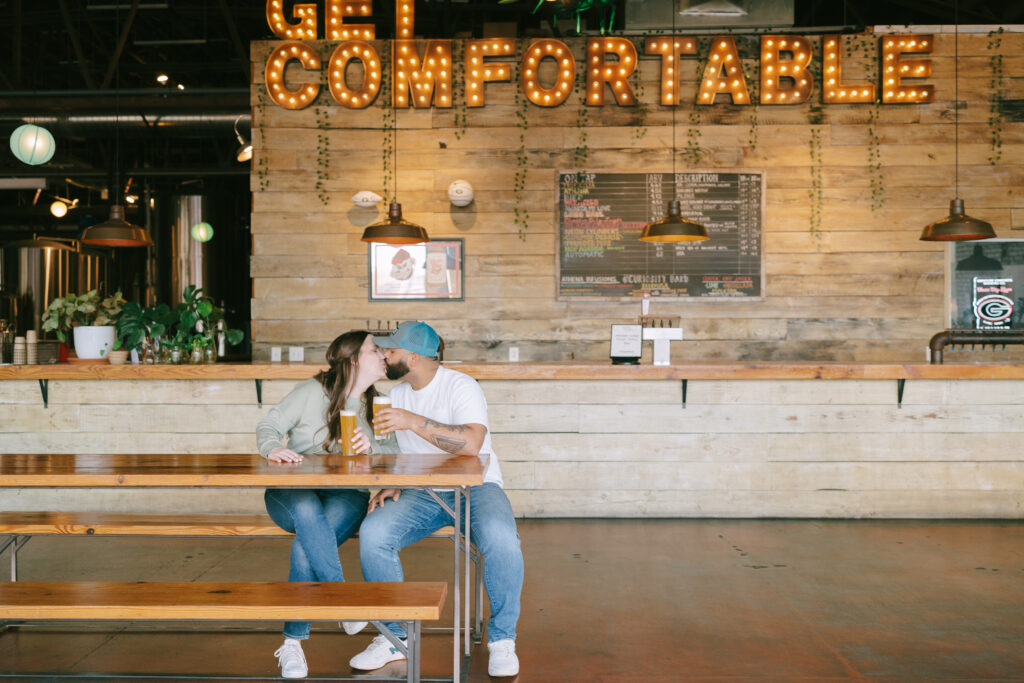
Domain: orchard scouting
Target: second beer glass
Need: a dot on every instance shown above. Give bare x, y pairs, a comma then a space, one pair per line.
379, 403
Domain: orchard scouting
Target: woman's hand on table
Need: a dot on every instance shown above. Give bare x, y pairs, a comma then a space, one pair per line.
284, 455
382, 495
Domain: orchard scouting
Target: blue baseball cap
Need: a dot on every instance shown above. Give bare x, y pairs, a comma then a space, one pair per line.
412, 336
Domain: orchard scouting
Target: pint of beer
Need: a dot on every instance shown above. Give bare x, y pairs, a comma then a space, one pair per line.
347, 420
380, 402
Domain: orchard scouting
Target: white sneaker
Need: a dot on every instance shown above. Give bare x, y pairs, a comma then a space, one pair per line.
379, 653
291, 660
353, 627
503, 661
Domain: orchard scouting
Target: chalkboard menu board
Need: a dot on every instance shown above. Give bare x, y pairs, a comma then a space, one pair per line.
601, 216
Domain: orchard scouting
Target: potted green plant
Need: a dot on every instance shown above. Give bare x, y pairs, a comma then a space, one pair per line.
90, 319
137, 324
195, 321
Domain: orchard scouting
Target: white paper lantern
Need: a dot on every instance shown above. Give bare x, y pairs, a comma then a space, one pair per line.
460, 193
33, 144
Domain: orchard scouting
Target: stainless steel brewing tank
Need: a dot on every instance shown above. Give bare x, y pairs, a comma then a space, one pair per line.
39, 270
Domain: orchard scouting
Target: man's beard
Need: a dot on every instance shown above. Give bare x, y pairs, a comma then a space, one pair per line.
397, 370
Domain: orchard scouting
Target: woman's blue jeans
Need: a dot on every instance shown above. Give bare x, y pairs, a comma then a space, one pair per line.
415, 515
321, 520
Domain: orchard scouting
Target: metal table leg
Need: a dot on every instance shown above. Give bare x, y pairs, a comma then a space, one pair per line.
468, 541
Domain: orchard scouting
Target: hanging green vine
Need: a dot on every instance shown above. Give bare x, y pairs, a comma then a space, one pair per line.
262, 163
996, 86
323, 156
521, 216
581, 153
459, 88
749, 49
640, 120
387, 124
875, 176
692, 152
815, 117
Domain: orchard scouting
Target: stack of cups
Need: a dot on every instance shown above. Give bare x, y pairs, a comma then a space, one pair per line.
31, 348
19, 351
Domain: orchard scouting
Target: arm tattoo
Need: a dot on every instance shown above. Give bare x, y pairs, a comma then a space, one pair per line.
428, 424
452, 446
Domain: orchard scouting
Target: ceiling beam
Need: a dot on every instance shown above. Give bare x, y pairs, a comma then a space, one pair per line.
16, 30
122, 39
76, 45
243, 55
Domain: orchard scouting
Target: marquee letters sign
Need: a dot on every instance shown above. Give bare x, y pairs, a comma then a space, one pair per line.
422, 70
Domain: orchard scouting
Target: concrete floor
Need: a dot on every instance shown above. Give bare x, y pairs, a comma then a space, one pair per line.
619, 600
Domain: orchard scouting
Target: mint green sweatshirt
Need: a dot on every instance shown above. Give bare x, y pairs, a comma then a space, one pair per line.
299, 422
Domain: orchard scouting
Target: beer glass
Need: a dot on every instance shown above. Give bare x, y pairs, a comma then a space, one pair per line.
347, 419
379, 403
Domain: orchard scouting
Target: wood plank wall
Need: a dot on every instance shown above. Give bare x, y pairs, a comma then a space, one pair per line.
861, 288
740, 448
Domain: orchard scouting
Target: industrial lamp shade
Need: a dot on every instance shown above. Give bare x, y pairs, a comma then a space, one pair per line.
674, 228
957, 227
395, 229
244, 152
32, 144
117, 232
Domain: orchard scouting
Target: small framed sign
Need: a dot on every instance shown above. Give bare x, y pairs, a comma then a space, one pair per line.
627, 344
432, 271
987, 284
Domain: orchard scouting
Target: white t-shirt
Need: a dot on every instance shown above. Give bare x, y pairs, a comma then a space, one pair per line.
452, 398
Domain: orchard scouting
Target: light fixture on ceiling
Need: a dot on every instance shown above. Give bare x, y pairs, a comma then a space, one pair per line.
395, 229
116, 231
32, 144
162, 79
244, 152
673, 227
60, 206
957, 226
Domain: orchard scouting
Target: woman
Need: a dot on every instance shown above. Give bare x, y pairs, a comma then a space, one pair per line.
321, 519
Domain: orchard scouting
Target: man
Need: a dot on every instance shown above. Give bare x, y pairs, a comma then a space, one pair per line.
438, 410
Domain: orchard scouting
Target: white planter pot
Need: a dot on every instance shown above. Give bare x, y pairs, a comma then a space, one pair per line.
94, 341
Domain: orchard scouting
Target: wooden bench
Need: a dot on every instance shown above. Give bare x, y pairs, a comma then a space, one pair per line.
409, 602
20, 526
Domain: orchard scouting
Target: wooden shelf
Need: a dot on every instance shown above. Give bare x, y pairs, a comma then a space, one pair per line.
541, 371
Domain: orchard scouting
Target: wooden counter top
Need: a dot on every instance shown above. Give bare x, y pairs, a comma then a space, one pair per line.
543, 371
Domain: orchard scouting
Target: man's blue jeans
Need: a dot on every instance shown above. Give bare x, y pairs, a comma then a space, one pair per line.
321, 520
415, 515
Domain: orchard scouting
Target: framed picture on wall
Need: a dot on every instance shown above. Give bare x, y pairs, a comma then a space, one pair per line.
432, 271
987, 285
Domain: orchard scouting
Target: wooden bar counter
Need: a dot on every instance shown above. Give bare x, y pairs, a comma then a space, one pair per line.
730, 439
543, 371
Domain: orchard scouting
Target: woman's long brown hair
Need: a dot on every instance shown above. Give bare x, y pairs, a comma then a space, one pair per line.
342, 357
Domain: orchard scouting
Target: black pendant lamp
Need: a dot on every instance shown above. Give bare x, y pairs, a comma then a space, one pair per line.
116, 231
957, 226
395, 229
673, 227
